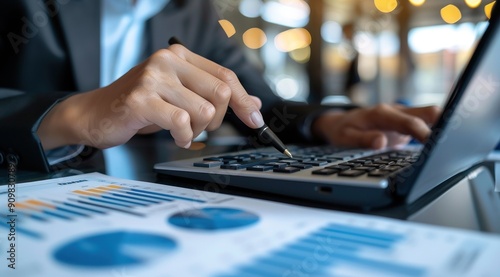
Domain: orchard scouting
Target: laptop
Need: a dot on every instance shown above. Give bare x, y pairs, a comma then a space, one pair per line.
467, 131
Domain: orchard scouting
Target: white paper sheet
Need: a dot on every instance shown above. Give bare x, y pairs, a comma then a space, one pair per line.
96, 225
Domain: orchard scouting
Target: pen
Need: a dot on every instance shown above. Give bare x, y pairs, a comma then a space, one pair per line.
264, 133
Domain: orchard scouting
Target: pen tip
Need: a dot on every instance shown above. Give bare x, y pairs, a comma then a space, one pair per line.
286, 152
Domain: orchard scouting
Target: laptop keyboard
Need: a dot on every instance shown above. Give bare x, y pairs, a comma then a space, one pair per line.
347, 163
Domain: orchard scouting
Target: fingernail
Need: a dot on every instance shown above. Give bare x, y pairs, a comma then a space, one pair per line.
257, 119
187, 145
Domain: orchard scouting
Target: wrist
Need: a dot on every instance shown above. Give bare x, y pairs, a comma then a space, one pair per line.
62, 123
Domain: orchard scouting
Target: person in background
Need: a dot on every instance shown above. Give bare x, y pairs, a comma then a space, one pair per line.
96, 73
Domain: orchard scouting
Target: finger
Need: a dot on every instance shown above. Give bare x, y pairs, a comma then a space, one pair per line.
352, 137
208, 87
257, 101
149, 129
241, 103
396, 139
429, 114
200, 110
385, 117
170, 117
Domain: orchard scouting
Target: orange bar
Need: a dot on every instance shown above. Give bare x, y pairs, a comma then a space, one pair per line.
95, 190
84, 192
104, 188
115, 186
24, 206
39, 203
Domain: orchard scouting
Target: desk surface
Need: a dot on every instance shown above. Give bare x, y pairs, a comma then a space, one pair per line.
453, 205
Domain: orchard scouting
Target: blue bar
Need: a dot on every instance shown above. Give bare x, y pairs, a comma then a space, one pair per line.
169, 195
56, 214
311, 243
362, 232
133, 198
258, 271
107, 207
82, 208
71, 211
148, 196
348, 239
122, 201
240, 274
33, 215
21, 230
318, 255
381, 266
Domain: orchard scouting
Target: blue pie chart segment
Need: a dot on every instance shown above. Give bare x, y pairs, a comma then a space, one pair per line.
213, 219
120, 248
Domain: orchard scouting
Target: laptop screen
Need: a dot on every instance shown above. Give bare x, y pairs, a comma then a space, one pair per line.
469, 128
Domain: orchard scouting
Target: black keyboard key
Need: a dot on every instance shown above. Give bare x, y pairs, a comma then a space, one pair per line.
378, 173
277, 164
217, 159
301, 165
260, 168
391, 168
288, 161
325, 171
316, 163
365, 168
287, 169
208, 164
351, 164
351, 173
339, 167
242, 165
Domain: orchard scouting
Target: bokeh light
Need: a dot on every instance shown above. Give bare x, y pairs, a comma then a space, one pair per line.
331, 32
386, 6
228, 27
417, 3
451, 14
292, 39
473, 3
254, 38
301, 55
287, 88
250, 8
488, 8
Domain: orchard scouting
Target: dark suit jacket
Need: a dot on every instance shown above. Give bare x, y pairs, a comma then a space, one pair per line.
51, 48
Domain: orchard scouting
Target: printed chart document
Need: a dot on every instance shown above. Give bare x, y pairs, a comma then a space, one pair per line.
96, 225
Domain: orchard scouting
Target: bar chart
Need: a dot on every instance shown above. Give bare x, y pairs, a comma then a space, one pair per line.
96, 225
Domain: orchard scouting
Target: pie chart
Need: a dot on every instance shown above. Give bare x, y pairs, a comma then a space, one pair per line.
119, 248
213, 219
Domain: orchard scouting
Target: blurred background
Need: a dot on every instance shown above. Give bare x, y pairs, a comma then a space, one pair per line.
365, 51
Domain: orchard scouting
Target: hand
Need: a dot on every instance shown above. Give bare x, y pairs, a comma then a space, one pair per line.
377, 127
174, 89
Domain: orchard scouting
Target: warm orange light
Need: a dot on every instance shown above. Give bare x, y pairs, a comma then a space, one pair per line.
488, 8
385, 6
417, 3
228, 27
301, 55
473, 3
254, 38
451, 14
292, 39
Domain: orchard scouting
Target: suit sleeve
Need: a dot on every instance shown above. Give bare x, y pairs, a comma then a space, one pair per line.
20, 117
